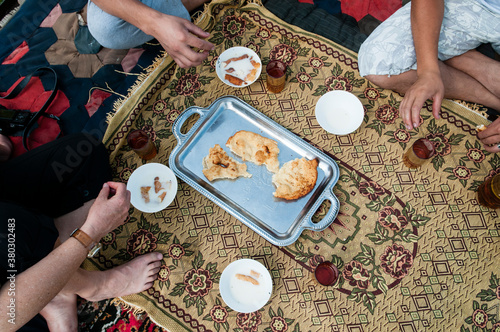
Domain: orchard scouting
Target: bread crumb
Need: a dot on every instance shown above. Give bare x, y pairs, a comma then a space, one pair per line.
247, 278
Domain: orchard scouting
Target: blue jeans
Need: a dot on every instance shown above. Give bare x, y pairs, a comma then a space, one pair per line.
113, 32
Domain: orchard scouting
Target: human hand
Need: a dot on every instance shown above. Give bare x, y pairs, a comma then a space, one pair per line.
178, 37
108, 211
428, 86
5, 148
490, 137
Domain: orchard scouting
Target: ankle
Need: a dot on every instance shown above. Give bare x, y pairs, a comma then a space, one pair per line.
96, 284
60, 313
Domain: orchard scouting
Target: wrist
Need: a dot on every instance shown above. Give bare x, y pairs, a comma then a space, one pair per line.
86, 241
428, 67
83, 238
429, 75
91, 232
149, 24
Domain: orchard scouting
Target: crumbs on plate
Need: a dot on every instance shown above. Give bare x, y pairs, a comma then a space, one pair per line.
252, 278
159, 192
240, 70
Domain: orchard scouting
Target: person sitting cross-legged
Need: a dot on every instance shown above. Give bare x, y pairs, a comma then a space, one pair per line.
427, 50
46, 194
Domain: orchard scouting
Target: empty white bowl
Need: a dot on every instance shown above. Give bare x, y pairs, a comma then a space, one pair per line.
339, 112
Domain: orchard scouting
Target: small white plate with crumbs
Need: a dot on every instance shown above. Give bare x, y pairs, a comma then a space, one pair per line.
245, 285
152, 187
238, 66
339, 112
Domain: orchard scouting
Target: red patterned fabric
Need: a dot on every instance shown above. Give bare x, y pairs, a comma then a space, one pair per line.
128, 322
380, 9
17, 54
32, 98
96, 99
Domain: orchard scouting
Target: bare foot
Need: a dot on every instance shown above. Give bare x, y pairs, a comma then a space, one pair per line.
60, 313
193, 4
130, 278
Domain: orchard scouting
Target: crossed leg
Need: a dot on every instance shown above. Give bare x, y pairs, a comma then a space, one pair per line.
471, 76
130, 278
482, 68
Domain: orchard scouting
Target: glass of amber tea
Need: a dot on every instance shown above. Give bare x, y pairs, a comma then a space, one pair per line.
142, 144
421, 151
488, 193
276, 76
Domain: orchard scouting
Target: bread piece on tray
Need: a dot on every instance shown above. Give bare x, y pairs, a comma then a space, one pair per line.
218, 165
255, 148
296, 178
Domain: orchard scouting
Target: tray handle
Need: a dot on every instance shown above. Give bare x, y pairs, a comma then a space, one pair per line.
176, 127
328, 218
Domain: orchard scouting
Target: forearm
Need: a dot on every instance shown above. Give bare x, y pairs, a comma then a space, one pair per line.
38, 285
426, 20
132, 11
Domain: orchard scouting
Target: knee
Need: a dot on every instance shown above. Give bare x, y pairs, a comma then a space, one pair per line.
363, 59
112, 32
368, 58
105, 35
379, 80
374, 64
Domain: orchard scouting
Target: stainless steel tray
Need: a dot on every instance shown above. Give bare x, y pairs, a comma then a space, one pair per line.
251, 200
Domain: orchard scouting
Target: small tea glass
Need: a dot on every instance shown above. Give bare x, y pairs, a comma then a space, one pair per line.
419, 153
276, 76
142, 144
326, 273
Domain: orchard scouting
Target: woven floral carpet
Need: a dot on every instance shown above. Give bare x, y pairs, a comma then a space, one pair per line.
415, 250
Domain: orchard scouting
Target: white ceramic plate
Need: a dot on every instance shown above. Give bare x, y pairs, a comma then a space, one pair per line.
235, 52
243, 296
144, 176
339, 112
